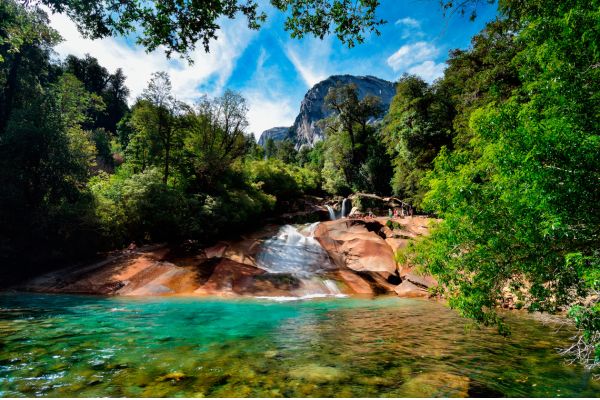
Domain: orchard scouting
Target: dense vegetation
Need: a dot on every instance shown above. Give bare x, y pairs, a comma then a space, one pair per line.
518, 188
80, 171
504, 148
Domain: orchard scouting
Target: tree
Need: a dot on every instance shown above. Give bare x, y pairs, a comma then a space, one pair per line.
417, 126
110, 87
156, 118
519, 202
285, 151
177, 26
26, 41
216, 136
347, 132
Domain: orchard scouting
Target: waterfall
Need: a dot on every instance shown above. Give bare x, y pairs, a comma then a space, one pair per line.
332, 287
331, 212
298, 253
292, 252
344, 207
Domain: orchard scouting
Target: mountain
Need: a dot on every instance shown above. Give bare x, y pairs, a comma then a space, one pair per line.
312, 109
279, 133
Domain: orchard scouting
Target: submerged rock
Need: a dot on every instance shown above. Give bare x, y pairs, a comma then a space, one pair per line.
317, 373
436, 384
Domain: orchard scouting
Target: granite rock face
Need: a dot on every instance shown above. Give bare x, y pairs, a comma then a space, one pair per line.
312, 109
277, 134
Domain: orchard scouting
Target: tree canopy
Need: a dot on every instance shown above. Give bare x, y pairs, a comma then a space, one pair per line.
177, 26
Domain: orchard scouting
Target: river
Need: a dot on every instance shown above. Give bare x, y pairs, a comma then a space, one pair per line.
63, 345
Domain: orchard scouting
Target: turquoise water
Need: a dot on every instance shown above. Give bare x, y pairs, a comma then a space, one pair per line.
53, 345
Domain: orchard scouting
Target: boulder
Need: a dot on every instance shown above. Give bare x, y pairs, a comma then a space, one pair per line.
355, 245
408, 289
228, 278
425, 281
356, 284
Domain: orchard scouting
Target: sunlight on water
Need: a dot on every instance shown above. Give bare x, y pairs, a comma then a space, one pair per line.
89, 346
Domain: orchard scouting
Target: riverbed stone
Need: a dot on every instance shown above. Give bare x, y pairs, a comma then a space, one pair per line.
436, 384
317, 373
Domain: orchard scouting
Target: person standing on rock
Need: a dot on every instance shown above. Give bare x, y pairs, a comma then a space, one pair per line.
390, 213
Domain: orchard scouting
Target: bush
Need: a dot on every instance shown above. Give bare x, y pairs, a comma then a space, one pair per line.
285, 182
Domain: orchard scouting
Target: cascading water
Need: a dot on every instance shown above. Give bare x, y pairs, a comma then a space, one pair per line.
331, 213
298, 253
344, 213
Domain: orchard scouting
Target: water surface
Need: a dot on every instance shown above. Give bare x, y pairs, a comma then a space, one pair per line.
57, 345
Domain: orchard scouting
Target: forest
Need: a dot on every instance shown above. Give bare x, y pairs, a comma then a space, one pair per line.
504, 149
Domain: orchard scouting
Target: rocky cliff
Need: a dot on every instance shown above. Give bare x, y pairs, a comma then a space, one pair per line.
312, 109
279, 133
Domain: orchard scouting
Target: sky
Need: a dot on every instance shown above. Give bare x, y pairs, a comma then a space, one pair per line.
274, 72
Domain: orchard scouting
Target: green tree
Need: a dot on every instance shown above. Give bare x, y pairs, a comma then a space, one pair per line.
417, 126
285, 151
348, 135
110, 87
177, 26
216, 137
520, 202
26, 42
156, 119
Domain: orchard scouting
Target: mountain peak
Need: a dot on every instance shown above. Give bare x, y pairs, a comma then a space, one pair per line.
312, 108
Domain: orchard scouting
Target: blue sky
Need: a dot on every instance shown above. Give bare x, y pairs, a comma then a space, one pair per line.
274, 72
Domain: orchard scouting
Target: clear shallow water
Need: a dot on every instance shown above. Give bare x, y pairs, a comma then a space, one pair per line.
389, 347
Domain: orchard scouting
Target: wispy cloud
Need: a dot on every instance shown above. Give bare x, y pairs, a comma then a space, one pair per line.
310, 59
268, 101
188, 80
411, 28
412, 54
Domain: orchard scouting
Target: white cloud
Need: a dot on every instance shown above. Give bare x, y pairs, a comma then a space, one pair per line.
411, 54
138, 65
409, 22
268, 112
428, 70
313, 65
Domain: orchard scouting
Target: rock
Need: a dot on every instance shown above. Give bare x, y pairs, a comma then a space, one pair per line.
408, 289
229, 277
217, 250
436, 384
396, 244
351, 244
172, 376
312, 109
316, 373
277, 134
354, 212
357, 284
426, 281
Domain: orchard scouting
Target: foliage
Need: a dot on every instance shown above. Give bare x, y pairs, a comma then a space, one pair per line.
519, 199
214, 138
417, 126
353, 158
177, 26
97, 81
283, 181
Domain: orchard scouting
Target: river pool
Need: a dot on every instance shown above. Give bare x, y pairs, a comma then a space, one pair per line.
59, 345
